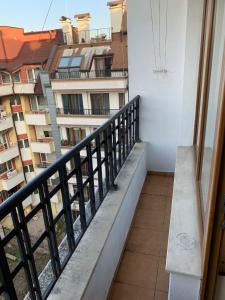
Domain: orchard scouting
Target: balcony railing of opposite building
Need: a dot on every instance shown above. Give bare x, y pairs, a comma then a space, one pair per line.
87, 112
113, 142
95, 35
97, 74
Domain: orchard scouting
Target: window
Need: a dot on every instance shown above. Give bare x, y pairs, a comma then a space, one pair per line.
16, 76
70, 62
18, 116
5, 167
28, 169
100, 104
209, 98
5, 77
32, 74
75, 135
103, 66
73, 104
121, 100
15, 100
23, 143
47, 133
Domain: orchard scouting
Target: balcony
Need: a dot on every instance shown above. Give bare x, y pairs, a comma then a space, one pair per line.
9, 153
45, 145
119, 147
99, 35
6, 122
87, 117
40, 117
90, 81
24, 87
6, 89
11, 179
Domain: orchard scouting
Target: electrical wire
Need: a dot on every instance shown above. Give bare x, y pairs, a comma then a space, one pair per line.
159, 33
46, 17
166, 33
153, 34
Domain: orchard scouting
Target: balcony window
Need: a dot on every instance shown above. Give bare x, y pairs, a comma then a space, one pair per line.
121, 100
18, 116
47, 133
74, 136
103, 66
23, 143
15, 100
6, 78
6, 167
28, 169
16, 76
73, 104
38, 103
32, 74
100, 104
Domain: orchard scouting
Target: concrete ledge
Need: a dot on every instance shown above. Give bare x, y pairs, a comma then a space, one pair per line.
89, 273
184, 254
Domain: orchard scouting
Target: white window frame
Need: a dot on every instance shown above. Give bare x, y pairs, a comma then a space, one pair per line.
10, 81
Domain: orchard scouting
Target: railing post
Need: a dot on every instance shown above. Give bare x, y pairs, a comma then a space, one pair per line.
67, 208
137, 133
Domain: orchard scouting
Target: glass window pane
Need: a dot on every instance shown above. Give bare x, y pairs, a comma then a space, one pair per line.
213, 103
64, 62
16, 76
21, 116
76, 61
20, 143
30, 75
26, 143
5, 77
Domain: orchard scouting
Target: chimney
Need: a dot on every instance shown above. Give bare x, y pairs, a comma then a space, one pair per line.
67, 29
116, 11
83, 26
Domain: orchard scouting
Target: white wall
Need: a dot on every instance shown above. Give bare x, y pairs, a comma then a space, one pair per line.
162, 94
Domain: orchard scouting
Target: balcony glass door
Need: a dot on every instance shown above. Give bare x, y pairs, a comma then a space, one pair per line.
75, 135
73, 104
100, 104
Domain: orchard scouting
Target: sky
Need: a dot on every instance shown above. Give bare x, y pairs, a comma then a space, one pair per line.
30, 14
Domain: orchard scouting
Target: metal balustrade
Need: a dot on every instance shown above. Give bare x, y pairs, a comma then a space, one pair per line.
86, 112
97, 74
62, 232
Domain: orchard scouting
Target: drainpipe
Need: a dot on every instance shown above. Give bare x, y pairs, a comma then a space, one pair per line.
48, 93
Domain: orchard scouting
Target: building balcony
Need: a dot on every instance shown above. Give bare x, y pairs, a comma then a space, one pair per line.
6, 89
40, 117
24, 87
87, 117
45, 145
6, 121
8, 153
11, 179
90, 81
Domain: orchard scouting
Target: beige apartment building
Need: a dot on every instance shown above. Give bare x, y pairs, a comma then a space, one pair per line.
89, 83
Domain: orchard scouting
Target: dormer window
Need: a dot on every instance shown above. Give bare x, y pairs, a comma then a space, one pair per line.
6, 78
16, 76
68, 62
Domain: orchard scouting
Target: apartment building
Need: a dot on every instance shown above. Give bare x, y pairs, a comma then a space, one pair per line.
89, 83
89, 76
22, 106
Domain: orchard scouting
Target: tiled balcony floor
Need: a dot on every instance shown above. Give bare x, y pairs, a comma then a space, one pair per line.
141, 274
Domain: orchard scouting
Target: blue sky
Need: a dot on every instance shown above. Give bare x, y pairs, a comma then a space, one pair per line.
30, 14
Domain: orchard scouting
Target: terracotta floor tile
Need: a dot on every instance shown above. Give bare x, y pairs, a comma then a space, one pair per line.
162, 283
152, 202
160, 296
163, 244
138, 269
156, 185
121, 291
145, 241
149, 219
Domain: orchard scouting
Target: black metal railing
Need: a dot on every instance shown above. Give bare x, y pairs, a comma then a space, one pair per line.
87, 112
61, 232
77, 74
